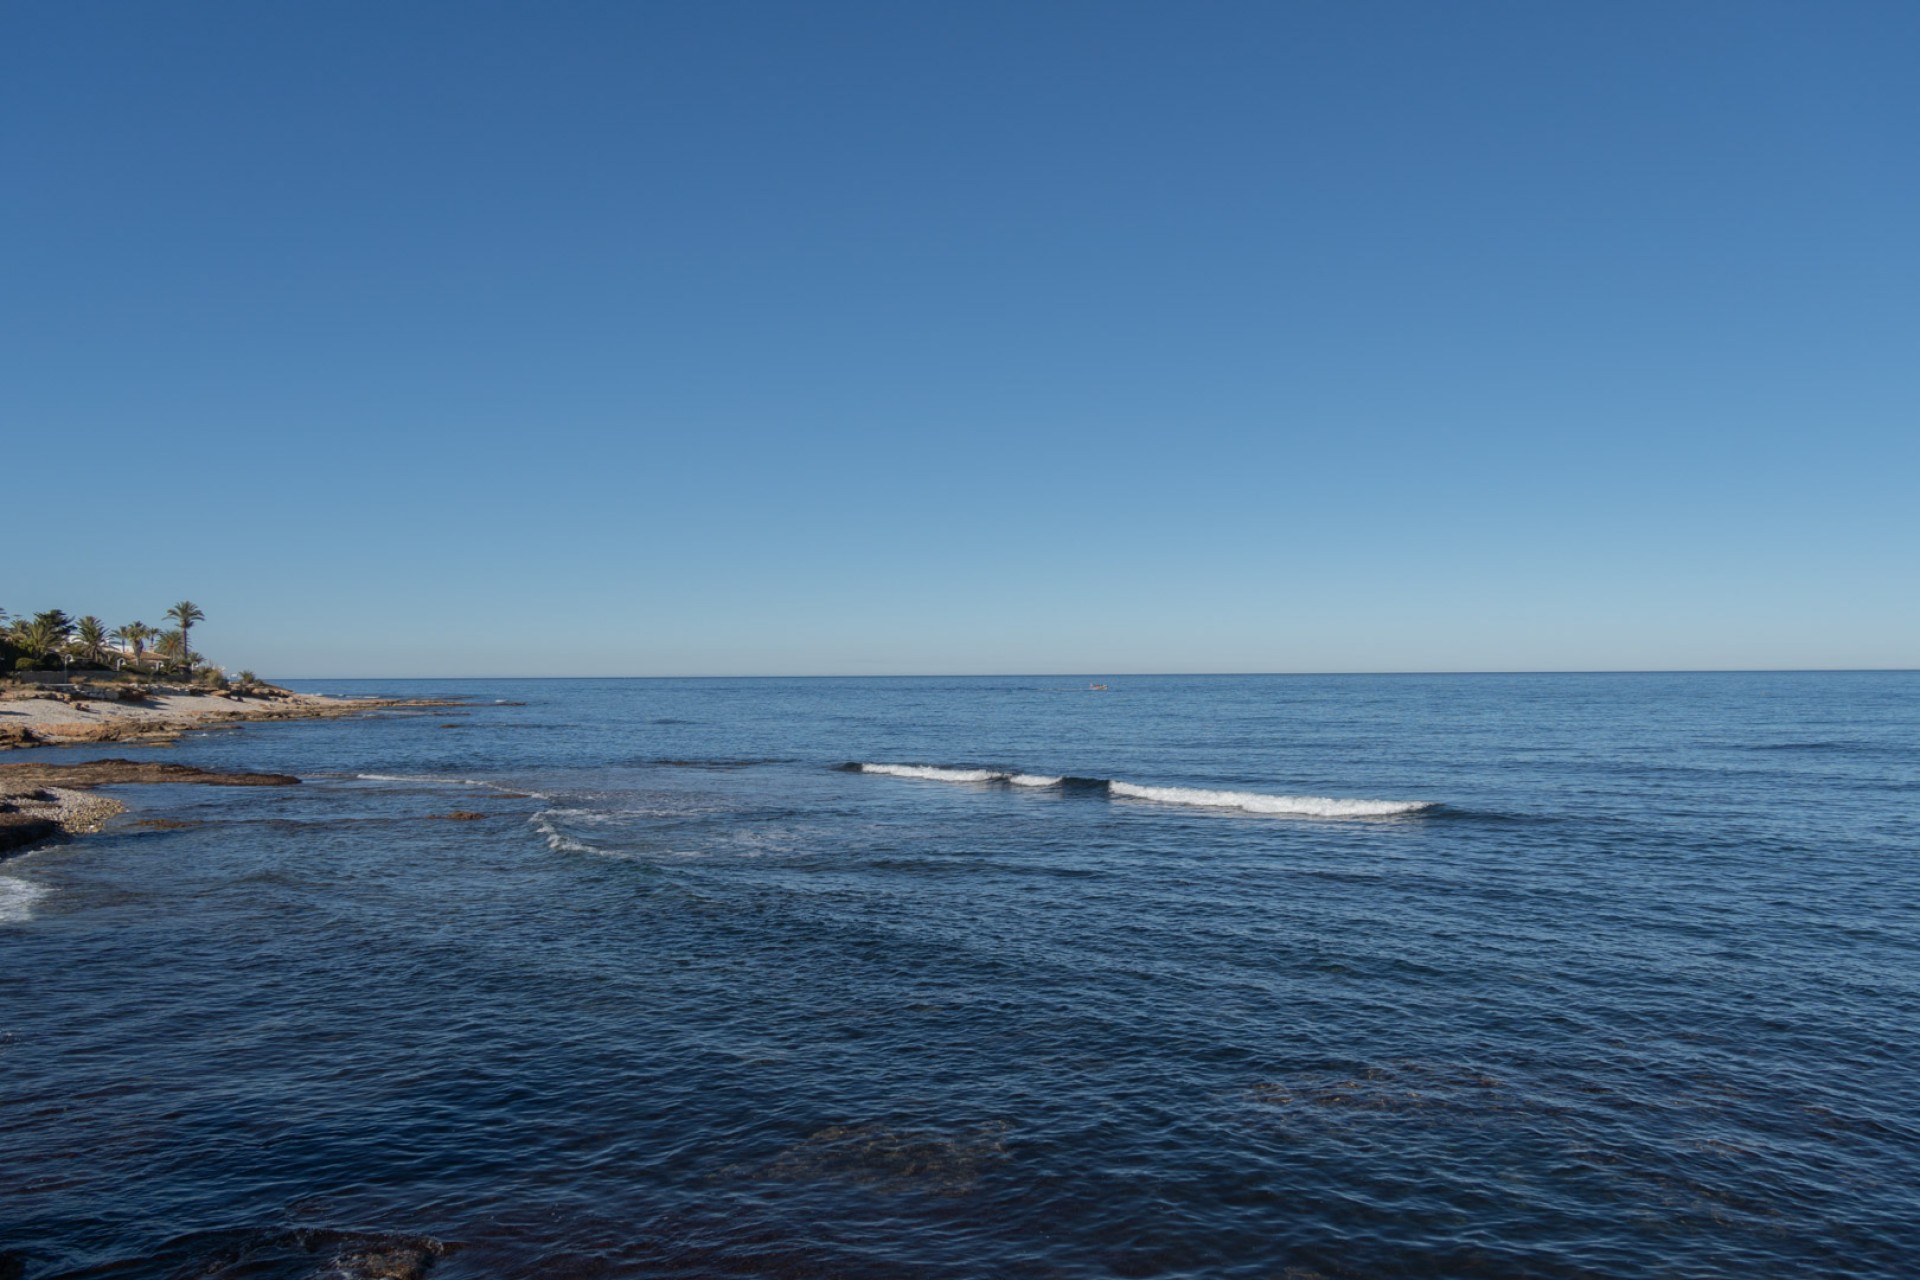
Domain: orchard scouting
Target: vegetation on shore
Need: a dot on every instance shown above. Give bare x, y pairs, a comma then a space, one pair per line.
52, 641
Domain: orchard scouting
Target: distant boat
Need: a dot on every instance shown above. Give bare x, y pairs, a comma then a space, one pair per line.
1096, 688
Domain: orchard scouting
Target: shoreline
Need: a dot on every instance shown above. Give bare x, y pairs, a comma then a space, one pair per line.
155, 715
43, 803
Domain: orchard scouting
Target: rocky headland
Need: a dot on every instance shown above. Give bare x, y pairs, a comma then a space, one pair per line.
80, 713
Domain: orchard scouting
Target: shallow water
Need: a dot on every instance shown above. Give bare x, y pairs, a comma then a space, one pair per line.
1611, 975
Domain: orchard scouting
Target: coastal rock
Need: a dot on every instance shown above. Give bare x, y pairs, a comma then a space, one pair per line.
22, 831
16, 778
458, 815
40, 714
33, 816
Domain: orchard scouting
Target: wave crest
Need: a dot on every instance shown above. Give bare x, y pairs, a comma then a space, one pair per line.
558, 840
1197, 797
1256, 802
932, 773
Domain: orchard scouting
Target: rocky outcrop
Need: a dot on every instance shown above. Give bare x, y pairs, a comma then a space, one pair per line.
23, 831
86, 774
32, 815
40, 803
42, 716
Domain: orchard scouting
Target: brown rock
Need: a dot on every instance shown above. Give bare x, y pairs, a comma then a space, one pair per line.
106, 773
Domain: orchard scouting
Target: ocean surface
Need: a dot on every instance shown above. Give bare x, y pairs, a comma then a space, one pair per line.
1387, 976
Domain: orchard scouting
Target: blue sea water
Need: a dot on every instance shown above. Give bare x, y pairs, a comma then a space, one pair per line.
1617, 975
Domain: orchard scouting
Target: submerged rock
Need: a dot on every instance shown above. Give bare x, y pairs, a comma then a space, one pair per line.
928, 1161
300, 1254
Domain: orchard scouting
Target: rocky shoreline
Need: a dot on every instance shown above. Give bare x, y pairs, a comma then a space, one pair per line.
73, 715
40, 803
45, 802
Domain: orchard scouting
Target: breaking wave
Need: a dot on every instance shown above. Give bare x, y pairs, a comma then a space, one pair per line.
558, 840
1255, 802
932, 774
17, 898
1197, 797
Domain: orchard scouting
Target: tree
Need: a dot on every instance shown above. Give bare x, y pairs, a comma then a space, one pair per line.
56, 621
40, 637
135, 635
186, 613
91, 635
171, 645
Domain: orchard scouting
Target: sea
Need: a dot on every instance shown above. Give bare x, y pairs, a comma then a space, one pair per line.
1289, 977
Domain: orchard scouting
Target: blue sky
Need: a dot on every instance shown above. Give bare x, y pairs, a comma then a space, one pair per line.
727, 338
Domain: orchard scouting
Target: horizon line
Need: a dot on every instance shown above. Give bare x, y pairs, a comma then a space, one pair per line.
1146, 675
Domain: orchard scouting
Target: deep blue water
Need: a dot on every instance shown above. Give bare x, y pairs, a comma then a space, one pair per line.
1637, 994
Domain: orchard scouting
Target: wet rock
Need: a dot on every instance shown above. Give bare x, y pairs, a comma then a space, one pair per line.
23, 831
458, 815
106, 773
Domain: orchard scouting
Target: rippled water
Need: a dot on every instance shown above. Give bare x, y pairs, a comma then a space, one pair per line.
1623, 979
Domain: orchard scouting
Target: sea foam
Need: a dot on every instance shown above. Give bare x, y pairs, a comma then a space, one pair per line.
558, 840
1197, 797
427, 780
17, 898
932, 774
1256, 802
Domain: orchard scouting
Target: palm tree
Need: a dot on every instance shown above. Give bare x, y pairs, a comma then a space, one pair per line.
135, 635
172, 645
40, 638
91, 635
186, 613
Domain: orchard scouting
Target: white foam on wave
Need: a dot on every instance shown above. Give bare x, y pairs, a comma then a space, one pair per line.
933, 774
1197, 797
558, 840
427, 780
1256, 802
410, 777
17, 898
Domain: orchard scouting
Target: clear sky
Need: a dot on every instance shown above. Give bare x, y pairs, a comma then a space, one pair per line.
611, 338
